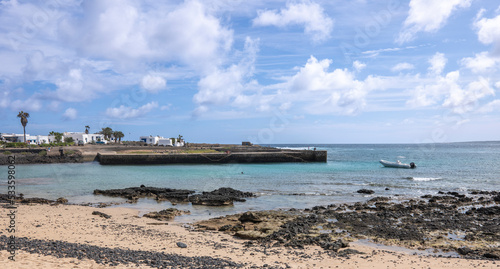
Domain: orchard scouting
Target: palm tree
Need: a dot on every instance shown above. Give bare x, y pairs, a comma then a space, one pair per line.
107, 132
24, 121
118, 136
87, 129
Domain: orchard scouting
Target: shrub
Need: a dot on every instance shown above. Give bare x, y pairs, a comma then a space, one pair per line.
16, 145
42, 153
7, 152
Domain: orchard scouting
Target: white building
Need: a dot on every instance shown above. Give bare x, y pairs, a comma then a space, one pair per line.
162, 141
46, 139
86, 138
165, 142
152, 140
30, 139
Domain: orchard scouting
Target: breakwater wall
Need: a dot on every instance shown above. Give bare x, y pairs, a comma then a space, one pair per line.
211, 158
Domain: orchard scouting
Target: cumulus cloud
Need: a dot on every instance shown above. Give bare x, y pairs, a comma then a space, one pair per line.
223, 86
125, 31
310, 15
451, 92
153, 84
334, 91
70, 114
481, 62
488, 30
125, 112
402, 66
358, 66
428, 16
462, 100
437, 63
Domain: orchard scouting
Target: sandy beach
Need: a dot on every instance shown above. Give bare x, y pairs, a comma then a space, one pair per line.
125, 230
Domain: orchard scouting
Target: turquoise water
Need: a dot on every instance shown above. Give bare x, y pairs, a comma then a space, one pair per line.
447, 167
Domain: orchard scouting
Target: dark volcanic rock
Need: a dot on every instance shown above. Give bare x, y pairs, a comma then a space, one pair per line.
181, 245
166, 214
61, 200
249, 217
135, 193
36, 200
219, 197
104, 215
115, 256
366, 191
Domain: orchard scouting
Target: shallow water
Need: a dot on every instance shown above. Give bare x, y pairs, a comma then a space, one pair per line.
448, 167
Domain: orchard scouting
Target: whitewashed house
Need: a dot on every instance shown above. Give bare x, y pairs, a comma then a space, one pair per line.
162, 141
165, 142
152, 140
86, 138
178, 142
11, 137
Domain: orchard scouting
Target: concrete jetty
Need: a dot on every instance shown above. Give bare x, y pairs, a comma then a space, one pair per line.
212, 158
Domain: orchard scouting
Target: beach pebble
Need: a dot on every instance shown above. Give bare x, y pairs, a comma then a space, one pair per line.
181, 245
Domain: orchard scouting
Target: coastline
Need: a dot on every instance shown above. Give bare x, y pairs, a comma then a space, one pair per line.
59, 230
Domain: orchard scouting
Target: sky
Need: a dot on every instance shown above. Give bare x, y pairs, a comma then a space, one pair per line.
226, 71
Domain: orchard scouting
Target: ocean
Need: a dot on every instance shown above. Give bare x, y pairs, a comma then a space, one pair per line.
457, 167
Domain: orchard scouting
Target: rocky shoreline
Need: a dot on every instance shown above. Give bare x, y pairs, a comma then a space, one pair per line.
468, 224
464, 224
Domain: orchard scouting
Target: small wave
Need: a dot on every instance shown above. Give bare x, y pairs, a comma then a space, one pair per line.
296, 148
423, 178
401, 157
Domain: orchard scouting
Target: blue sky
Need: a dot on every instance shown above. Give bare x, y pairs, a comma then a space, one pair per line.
224, 71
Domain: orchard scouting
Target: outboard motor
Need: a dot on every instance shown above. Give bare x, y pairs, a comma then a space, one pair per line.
412, 165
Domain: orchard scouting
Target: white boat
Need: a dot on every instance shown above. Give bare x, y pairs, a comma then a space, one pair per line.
397, 164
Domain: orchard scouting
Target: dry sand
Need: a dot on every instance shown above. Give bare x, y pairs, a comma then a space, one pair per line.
76, 224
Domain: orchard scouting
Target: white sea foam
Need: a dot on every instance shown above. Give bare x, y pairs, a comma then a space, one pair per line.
424, 178
296, 148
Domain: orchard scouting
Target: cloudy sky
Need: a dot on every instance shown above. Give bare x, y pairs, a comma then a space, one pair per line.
227, 71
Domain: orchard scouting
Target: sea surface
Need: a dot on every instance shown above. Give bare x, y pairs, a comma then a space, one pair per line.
457, 167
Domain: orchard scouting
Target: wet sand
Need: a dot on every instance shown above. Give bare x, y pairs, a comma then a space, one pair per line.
124, 230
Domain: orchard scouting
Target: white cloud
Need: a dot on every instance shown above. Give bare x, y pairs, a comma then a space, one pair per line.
402, 66
71, 88
311, 15
464, 100
451, 93
70, 114
153, 84
490, 107
126, 31
497, 85
166, 107
124, 112
488, 30
428, 16
481, 62
437, 62
358, 66
335, 92
224, 86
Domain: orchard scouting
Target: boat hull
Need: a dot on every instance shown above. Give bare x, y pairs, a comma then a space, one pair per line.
396, 165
